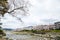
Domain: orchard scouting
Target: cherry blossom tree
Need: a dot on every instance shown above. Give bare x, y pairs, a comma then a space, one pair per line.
14, 8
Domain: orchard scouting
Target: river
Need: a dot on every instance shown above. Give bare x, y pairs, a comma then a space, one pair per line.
12, 36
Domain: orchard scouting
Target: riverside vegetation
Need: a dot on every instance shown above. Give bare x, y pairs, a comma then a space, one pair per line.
33, 35
52, 34
3, 35
30, 35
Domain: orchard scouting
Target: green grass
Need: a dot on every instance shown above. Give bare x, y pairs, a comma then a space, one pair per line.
57, 30
37, 31
50, 31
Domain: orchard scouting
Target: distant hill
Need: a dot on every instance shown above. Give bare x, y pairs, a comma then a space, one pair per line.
8, 29
24, 28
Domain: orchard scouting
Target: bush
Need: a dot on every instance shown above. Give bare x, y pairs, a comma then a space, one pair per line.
57, 38
38, 31
2, 33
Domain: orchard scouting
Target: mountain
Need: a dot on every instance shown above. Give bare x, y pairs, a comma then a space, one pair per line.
8, 29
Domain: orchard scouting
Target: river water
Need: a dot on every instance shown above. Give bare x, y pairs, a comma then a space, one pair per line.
15, 37
10, 35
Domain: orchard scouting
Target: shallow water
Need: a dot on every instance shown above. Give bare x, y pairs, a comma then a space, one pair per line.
26, 37
10, 35
14, 36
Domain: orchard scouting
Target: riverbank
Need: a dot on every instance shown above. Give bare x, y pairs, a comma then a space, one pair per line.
44, 33
23, 35
47, 36
37, 32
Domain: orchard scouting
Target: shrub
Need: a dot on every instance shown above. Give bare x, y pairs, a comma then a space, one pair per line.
2, 33
57, 38
38, 31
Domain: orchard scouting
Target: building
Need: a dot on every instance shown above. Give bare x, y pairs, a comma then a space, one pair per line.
57, 25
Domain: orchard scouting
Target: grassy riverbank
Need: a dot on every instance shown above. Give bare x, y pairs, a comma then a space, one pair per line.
34, 34
41, 34
45, 33
37, 31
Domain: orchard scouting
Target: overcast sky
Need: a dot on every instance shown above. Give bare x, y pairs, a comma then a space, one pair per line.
41, 12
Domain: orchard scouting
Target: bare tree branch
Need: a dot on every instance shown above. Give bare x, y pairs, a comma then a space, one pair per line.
17, 17
15, 9
19, 8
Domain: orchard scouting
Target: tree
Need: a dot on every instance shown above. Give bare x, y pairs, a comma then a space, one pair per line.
11, 6
1, 32
3, 7
22, 5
